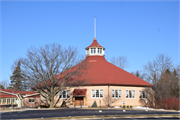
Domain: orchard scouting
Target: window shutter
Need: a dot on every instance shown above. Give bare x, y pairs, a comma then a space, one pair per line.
60, 94
101, 93
120, 94
133, 93
68, 93
113, 93
127, 94
140, 96
93, 93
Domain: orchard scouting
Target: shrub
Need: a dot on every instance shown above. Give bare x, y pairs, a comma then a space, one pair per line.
64, 104
127, 106
130, 106
44, 106
124, 106
170, 103
94, 104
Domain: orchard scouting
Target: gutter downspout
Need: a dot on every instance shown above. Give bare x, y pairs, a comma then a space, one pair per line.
108, 97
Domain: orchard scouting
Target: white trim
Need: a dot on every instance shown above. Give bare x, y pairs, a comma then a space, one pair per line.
7, 92
31, 99
132, 94
96, 48
99, 94
145, 94
31, 95
115, 93
6, 101
20, 100
66, 94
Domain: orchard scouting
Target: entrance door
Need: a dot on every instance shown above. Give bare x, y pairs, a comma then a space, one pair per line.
79, 101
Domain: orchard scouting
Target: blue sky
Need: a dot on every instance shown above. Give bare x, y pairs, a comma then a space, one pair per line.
138, 30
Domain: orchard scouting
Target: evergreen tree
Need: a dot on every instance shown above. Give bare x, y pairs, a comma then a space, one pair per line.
94, 104
64, 104
137, 74
175, 82
17, 79
1, 86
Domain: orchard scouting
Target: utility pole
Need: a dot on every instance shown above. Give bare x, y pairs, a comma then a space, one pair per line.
12, 100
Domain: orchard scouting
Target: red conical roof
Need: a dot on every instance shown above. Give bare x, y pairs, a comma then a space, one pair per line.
102, 72
94, 44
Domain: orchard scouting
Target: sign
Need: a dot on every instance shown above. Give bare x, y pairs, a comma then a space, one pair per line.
16, 101
12, 93
100, 101
146, 101
123, 101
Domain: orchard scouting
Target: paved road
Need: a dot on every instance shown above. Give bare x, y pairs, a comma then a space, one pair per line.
74, 112
152, 118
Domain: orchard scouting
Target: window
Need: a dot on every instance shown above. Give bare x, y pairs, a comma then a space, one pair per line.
64, 94
143, 94
8, 101
4, 101
130, 93
100, 50
116, 94
31, 100
97, 93
91, 50
94, 50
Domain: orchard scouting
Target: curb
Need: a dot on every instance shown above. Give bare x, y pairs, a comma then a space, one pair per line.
4, 111
134, 109
108, 116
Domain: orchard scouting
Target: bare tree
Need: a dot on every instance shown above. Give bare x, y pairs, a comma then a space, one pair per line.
108, 100
4, 84
164, 78
154, 69
119, 61
139, 74
51, 68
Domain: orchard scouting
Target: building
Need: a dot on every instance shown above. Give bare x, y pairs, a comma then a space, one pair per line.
109, 85
18, 98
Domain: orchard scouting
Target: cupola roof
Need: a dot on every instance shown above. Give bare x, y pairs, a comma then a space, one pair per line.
95, 44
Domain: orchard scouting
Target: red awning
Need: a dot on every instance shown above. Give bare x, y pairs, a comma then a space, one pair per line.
79, 92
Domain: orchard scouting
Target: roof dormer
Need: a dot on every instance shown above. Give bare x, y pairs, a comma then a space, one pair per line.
95, 49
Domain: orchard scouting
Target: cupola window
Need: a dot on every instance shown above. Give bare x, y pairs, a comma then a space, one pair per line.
91, 50
100, 50
94, 50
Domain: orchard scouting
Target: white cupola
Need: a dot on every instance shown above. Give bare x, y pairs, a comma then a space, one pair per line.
95, 49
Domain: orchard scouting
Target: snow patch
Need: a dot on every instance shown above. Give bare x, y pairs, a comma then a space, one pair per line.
139, 107
116, 107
